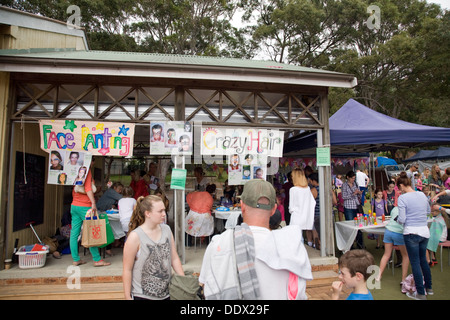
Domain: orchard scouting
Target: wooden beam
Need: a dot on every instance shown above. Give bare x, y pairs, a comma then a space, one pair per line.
179, 204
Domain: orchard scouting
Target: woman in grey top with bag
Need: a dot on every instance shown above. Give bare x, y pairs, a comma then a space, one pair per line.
149, 253
413, 209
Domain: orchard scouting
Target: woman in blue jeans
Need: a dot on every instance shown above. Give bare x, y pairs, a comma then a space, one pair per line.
413, 209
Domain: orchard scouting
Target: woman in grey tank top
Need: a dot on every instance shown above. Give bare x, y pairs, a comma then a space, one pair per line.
149, 253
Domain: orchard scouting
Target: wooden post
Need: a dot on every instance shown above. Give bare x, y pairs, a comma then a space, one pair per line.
179, 194
325, 183
4, 146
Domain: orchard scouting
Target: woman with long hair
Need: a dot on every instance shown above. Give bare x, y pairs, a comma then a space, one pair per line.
352, 198
149, 253
413, 209
81, 204
301, 201
435, 179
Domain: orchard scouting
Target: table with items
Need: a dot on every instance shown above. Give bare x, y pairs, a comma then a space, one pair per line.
346, 231
231, 215
114, 221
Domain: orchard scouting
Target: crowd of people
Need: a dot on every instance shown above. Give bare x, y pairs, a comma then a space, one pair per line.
418, 221
263, 256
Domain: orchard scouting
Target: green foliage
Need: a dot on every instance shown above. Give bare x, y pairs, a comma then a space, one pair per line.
402, 67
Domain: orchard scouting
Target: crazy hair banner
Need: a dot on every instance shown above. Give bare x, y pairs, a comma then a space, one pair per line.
241, 141
97, 138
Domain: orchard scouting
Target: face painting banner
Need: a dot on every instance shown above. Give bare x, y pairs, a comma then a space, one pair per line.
97, 138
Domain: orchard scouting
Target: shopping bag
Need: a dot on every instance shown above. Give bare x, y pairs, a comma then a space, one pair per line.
109, 233
94, 231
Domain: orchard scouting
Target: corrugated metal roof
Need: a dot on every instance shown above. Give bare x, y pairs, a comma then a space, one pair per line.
143, 57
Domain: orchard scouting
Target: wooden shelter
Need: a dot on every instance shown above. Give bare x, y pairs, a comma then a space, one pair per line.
48, 72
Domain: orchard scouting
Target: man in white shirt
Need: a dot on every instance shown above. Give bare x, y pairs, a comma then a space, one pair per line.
410, 174
280, 262
363, 181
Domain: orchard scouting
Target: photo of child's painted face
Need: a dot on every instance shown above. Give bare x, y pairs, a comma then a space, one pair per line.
55, 160
171, 134
235, 160
74, 158
259, 174
62, 178
249, 158
156, 133
185, 143
81, 172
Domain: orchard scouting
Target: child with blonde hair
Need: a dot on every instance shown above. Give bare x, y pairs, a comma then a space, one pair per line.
438, 232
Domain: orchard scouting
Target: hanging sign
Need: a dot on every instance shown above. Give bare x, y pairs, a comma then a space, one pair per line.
68, 167
323, 156
178, 180
242, 141
243, 168
171, 138
97, 138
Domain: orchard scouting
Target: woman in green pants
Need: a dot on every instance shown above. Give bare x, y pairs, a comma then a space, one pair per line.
81, 203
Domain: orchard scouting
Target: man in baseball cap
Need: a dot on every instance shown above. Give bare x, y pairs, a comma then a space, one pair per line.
277, 261
259, 194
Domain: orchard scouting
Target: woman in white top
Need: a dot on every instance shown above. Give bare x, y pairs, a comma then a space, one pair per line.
301, 201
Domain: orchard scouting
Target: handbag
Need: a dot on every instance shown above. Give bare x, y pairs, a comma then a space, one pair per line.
185, 288
94, 231
109, 233
360, 209
80, 188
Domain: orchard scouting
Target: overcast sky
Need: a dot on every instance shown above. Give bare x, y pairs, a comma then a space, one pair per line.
445, 4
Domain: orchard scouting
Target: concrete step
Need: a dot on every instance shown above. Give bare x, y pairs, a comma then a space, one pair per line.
317, 289
322, 278
320, 287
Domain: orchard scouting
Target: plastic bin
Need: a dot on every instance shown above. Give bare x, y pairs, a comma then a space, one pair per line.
32, 259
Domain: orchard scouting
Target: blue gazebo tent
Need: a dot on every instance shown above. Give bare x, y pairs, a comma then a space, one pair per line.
440, 153
357, 128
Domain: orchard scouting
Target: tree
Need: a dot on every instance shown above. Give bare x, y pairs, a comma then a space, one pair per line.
196, 27
303, 32
399, 64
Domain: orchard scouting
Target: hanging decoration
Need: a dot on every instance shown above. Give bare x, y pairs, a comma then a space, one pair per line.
97, 138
